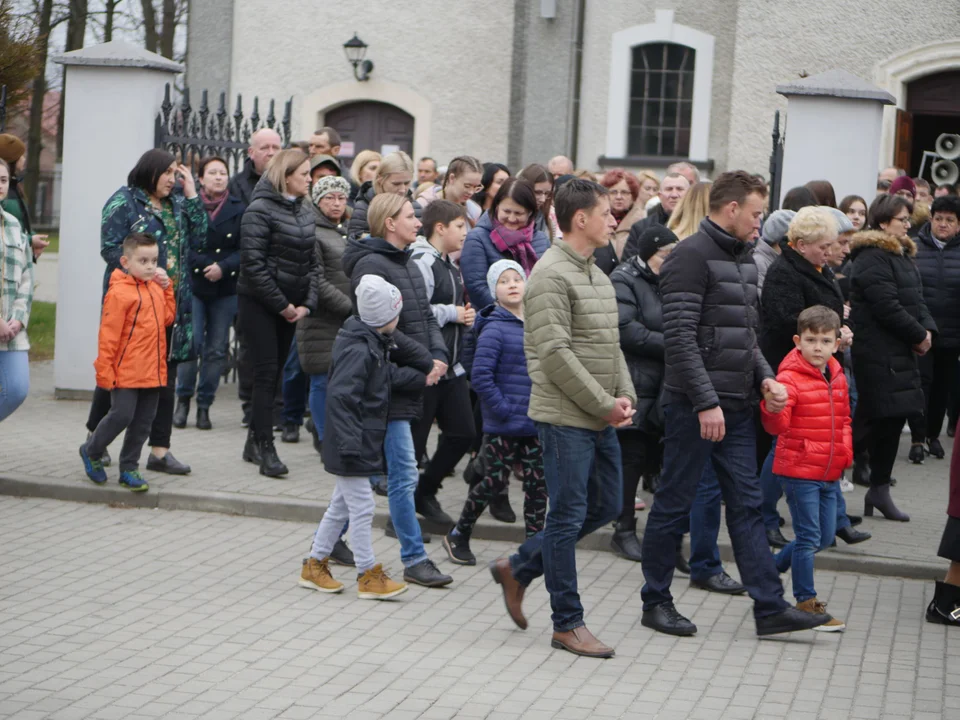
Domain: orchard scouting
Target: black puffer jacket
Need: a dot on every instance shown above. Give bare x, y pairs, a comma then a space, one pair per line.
940, 272
889, 317
316, 333
358, 399
711, 315
641, 338
375, 256
278, 255
359, 226
796, 285
223, 248
657, 216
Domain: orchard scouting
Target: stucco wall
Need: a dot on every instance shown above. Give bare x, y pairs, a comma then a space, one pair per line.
457, 56
209, 43
851, 36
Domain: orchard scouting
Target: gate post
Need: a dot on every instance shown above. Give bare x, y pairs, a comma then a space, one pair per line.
113, 94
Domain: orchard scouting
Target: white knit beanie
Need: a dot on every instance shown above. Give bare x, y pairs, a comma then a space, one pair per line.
498, 269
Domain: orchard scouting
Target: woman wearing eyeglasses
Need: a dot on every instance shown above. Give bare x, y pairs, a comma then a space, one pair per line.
893, 327
624, 190
460, 183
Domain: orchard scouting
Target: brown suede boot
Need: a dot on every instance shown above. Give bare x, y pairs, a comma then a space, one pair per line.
512, 590
315, 575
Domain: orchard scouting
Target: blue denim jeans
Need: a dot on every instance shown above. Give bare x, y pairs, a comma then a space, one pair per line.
296, 385
813, 507
212, 319
14, 381
771, 490
402, 477
686, 454
584, 483
705, 528
318, 401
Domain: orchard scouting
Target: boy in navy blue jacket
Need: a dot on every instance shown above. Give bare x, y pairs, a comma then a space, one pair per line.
499, 377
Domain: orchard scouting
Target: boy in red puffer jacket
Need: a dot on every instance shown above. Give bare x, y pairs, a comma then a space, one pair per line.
814, 446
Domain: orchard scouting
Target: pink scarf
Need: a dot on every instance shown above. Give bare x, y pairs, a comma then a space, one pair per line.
213, 207
516, 242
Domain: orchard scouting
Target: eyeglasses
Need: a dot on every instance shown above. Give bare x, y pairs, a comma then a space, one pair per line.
621, 193
905, 219
544, 194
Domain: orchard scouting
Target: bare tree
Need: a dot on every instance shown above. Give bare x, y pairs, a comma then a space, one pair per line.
109, 19
35, 133
151, 38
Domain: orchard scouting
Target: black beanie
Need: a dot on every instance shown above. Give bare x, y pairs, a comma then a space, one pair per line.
654, 238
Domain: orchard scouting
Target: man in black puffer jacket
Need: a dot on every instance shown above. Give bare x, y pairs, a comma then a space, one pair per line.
713, 371
386, 253
938, 259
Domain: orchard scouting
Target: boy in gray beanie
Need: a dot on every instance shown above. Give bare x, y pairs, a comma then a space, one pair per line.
358, 395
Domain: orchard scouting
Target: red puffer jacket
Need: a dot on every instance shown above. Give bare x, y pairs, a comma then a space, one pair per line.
815, 441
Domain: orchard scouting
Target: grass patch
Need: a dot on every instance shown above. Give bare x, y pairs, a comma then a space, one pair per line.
42, 329
54, 239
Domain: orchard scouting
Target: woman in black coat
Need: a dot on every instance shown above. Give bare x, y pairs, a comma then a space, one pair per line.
637, 286
278, 287
213, 268
892, 326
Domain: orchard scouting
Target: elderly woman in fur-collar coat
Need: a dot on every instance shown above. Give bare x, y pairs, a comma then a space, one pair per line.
892, 327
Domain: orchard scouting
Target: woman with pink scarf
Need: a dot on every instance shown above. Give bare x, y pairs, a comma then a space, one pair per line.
506, 231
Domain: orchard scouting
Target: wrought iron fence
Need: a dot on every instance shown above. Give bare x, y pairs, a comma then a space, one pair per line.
193, 134
776, 163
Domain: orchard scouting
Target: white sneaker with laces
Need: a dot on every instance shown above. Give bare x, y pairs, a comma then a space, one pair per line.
845, 485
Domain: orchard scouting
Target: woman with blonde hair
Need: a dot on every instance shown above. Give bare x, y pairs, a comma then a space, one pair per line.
691, 210
649, 187
278, 286
364, 169
463, 180
394, 176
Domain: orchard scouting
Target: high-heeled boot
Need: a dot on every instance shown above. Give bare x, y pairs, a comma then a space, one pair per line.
878, 496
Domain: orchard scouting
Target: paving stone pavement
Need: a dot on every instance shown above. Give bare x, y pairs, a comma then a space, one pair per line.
112, 613
39, 444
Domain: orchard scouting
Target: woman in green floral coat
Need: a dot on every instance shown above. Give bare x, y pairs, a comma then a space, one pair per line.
151, 202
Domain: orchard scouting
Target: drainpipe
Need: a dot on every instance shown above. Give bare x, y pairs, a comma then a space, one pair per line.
577, 78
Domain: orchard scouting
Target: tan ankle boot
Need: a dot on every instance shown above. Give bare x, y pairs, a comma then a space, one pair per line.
375, 584
815, 606
315, 575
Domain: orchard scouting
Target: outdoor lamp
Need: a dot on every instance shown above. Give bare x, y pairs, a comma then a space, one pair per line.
356, 49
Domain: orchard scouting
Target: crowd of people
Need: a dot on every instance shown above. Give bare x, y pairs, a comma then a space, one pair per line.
588, 334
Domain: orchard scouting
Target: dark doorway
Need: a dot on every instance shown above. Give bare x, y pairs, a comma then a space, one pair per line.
371, 126
933, 108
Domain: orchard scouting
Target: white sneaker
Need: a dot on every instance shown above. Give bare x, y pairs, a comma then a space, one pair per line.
845, 485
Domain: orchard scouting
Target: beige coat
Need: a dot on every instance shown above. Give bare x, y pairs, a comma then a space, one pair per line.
635, 214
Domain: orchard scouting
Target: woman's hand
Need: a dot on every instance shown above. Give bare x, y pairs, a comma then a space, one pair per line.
6, 332
846, 337
213, 273
186, 177
38, 243
924, 347
162, 279
15, 327
302, 312
289, 313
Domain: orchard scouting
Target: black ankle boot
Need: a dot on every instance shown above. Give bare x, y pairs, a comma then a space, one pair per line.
270, 464
181, 412
625, 542
879, 497
203, 419
251, 451
944, 609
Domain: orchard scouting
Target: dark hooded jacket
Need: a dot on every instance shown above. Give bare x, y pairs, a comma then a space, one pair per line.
656, 216
244, 182
889, 318
375, 256
940, 273
278, 256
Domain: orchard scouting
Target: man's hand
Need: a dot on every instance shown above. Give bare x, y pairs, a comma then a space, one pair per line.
440, 367
434, 377
213, 273
622, 413
775, 394
466, 315
300, 313
712, 425
162, 279
924, 347
846, 337
289, 313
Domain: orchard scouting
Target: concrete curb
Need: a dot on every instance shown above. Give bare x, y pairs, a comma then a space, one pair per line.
296, 510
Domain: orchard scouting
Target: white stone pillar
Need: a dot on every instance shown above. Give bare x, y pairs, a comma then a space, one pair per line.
834, 123
113, 94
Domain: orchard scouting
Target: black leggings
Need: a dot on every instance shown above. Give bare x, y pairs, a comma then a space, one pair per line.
640, 453
269, 337
449, 403
882, 442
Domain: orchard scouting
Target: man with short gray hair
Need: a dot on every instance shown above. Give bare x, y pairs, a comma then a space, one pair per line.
560, 165
673, 187
688, 170
264, 144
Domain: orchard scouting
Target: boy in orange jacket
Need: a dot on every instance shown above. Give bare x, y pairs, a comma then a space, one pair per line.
132, 359
814, 446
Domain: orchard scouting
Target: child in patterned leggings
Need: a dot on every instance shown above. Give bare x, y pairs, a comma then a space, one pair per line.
501, 382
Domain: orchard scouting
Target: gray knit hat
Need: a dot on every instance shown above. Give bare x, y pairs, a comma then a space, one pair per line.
844, 224
498, 269
776, 226
328, 184
378, 301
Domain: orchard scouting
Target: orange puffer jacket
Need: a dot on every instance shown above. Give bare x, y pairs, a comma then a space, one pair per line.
133, 339
814, 437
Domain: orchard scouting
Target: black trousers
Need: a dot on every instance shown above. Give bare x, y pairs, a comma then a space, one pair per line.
269, 338
882, 442
449, 403
132, 410
938, 376
640, 453
162, 427
245, 378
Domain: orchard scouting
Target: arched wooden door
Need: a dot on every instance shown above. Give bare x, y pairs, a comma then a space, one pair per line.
933, 108
371, 126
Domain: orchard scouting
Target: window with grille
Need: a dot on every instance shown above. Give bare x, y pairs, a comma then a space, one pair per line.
661, 100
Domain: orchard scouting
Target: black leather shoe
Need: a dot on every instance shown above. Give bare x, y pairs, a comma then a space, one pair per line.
203, 419
916, 454
251, 450
625, 542
500, 509
936, 449
342, 555
944, 609
181, 412
315, 436
270, 464
855, 519
720, 583
680, 563
433, 515
291, 433
427, 574
391, 532
666, 619
776, 539
851, 536
861, 472
167, 464
951, 428
790, 620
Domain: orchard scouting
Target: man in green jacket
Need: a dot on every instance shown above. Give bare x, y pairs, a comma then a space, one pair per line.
581, 393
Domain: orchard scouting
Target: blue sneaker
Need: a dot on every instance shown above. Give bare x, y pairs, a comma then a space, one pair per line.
93, 468
133, 480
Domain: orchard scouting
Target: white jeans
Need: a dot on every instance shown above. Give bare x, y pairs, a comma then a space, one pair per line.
352, 500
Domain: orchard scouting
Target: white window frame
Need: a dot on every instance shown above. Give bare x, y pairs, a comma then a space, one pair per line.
663, 29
